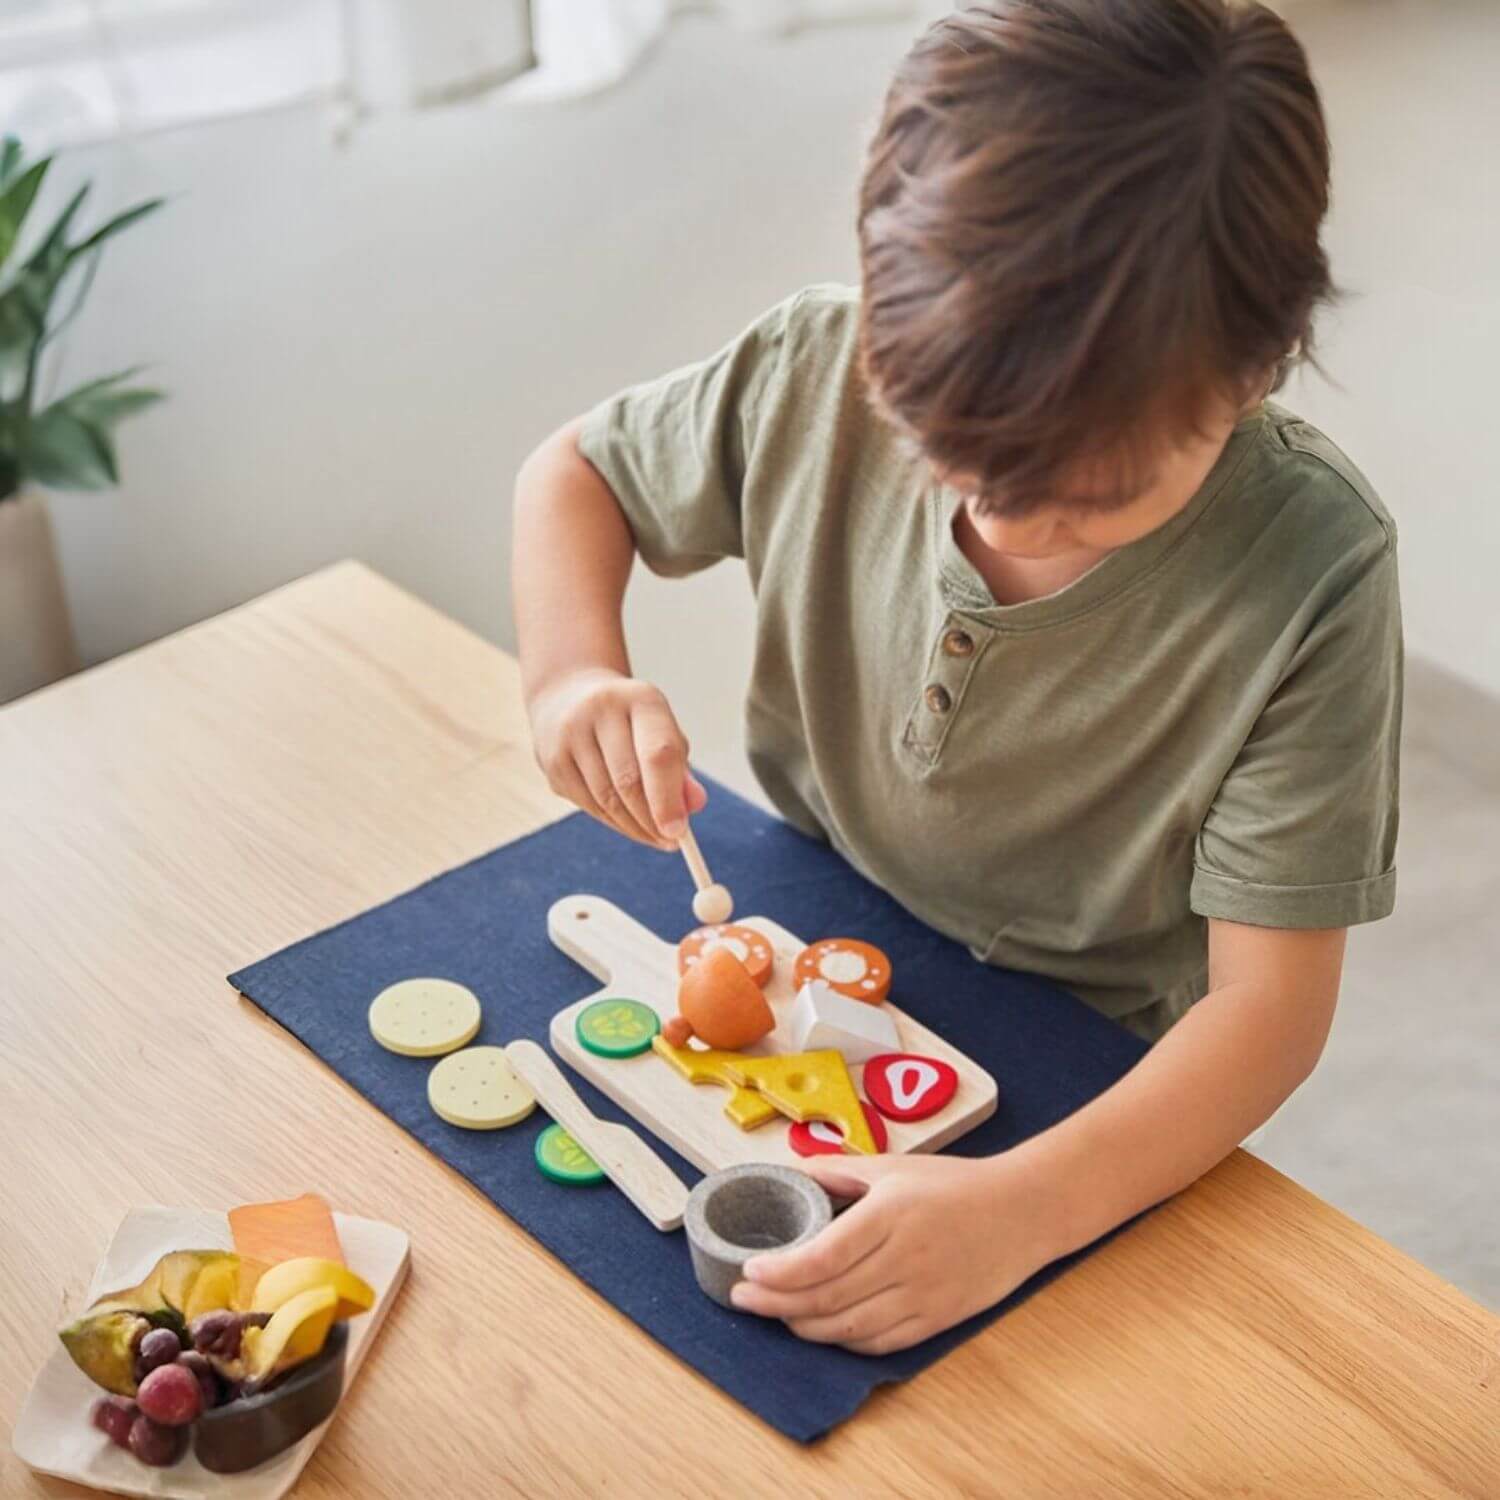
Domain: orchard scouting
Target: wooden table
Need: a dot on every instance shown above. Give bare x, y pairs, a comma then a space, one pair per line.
170, 816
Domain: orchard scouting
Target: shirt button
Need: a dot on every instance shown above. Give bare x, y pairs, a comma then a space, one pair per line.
958, 643
939, 699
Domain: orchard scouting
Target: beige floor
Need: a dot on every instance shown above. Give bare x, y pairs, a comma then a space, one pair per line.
1400, 1125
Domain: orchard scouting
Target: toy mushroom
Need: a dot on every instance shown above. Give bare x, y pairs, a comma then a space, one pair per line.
718, 1002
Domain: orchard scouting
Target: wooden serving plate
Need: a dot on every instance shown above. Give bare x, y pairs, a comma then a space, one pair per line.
634, 964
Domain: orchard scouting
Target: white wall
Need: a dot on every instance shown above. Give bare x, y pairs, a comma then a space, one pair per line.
363, 343
1410, 91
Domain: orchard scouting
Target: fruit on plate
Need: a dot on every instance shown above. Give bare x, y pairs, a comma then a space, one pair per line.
295, 1333
203, 1373
159, 1347
103, 1343
189, 1341
293, 1277
114, 1416
155, 1443
171, 1395
107, 1340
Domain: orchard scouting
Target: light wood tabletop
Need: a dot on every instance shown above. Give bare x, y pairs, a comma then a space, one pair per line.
187, 809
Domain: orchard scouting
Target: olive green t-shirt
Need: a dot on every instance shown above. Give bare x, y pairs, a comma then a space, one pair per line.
1205, 724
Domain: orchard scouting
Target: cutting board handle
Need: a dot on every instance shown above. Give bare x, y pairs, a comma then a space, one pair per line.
609, 943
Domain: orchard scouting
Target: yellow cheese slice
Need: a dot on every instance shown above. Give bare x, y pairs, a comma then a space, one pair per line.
808, 1086
424, 1017
746, 1107
478, 1089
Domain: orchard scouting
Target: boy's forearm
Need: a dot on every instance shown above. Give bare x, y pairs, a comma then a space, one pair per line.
1220, 1072
571, 561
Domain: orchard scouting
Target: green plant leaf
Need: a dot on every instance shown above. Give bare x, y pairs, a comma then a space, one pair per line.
10, 158
16, 198
104, 402
70, 444
68, 453
115, 225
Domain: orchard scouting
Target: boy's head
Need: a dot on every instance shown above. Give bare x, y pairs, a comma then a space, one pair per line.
1089, 235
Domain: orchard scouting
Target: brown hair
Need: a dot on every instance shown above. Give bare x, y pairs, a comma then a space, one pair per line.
1081, 222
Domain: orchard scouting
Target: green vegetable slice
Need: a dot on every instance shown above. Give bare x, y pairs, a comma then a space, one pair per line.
563, 1160
617, 1028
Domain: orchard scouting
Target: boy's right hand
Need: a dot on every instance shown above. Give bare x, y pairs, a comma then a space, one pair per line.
611, 744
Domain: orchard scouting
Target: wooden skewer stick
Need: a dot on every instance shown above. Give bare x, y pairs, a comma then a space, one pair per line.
712, 902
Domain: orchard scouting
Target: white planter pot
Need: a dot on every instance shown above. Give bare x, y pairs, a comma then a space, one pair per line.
36, 637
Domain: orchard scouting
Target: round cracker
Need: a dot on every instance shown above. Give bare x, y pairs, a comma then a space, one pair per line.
477, 1089
424, 1017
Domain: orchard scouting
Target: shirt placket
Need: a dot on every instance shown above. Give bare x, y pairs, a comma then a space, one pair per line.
951, 663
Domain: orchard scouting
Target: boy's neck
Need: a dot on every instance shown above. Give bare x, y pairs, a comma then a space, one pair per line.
1018, 580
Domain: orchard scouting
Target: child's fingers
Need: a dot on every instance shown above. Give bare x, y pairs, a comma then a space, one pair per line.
607, 800
867, 1319
618, 747
697, 797
856, 1233
863, 1280
661, 750
567, 781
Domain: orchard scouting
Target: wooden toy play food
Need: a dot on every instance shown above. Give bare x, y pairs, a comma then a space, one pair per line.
720, 1003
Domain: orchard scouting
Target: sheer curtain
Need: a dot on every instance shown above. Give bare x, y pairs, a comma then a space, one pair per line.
78, 70
586, 45
72, 71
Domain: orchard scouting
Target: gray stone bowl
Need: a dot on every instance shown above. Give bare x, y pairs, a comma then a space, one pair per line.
745, 1211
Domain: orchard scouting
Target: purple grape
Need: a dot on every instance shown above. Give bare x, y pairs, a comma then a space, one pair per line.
171, 1395
113, 1416
159, 1347
199, 1365
216, 1332
155, 1444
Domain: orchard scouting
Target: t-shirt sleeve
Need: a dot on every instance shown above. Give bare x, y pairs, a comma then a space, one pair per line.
675, 450
1302, 832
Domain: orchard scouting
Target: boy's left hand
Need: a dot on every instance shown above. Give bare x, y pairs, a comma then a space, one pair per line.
931, 1240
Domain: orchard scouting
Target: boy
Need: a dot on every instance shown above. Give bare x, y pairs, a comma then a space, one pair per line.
1064, 636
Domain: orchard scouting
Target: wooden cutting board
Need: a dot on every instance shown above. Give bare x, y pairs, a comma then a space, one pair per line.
634, 964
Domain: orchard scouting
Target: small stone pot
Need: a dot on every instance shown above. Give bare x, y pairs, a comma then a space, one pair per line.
745, 1211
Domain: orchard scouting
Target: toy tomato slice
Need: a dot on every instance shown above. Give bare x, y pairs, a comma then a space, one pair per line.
819, 1138
903, 1086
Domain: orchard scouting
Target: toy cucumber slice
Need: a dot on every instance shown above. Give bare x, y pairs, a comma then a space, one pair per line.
562, 1159
617, 1028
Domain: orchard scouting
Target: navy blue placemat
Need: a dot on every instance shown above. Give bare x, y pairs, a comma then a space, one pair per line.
484, 924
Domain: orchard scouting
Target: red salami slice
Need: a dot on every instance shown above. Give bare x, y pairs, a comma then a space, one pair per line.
903, 1086
819, 1138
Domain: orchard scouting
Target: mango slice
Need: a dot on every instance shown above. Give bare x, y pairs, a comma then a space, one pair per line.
270, 1233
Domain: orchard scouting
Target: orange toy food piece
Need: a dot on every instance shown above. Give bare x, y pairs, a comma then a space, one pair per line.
265, 1234
719, 1002
750, 947
857, 970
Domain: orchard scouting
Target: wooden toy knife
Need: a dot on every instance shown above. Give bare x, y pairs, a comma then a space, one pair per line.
622, 1155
